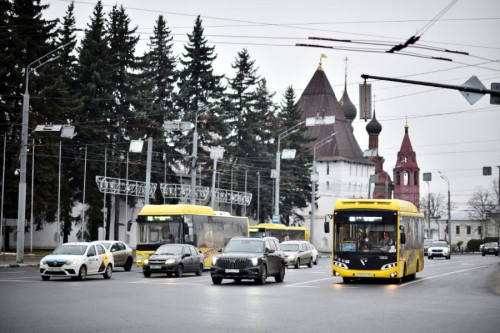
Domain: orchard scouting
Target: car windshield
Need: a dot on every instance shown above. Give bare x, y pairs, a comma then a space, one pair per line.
439, 244
76, 250
491, 244
169, 249
245, 245
289, 247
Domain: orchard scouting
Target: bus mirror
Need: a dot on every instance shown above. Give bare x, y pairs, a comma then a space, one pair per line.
402, 238
328, 217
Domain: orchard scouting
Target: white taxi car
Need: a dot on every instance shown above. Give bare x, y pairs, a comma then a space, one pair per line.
77, 260
439, 249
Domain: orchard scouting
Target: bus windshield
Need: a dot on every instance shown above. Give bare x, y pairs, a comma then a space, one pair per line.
165, 231
365, 231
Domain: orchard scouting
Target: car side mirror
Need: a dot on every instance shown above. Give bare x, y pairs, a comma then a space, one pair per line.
270, 250
187, 255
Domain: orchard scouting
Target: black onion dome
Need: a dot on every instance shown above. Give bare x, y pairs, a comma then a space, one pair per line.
374, 126
347, 107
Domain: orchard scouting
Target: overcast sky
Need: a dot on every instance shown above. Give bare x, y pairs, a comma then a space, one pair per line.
447, 133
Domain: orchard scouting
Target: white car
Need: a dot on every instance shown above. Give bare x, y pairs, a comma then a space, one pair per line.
314, 253
439, 249
77, 260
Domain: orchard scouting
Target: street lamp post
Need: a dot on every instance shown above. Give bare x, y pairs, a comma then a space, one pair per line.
314, 179
21, 211
449, 216
308, 122
194, 159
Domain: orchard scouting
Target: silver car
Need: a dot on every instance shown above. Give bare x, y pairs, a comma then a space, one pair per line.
297, 253
122, 253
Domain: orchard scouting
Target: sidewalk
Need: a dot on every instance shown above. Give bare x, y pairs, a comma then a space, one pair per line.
9, 260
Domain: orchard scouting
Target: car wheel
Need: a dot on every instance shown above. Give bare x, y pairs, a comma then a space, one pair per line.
483, 254
82, 273
216, 280
108, 272
146, 273
429, 257
45, 277
263, 276
310, 263
316, 261
297, 263
496, 253
200, 270
281, 275
179, 271
128, 264
448, 257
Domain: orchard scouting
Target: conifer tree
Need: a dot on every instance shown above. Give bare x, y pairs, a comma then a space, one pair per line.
200, 90
295, 185
158, 78
95, 121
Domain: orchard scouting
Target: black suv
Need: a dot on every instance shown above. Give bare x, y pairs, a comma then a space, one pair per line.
249, 258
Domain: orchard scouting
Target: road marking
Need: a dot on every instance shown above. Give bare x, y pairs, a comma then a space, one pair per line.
441, 275
299, 283
168, 283
13, 280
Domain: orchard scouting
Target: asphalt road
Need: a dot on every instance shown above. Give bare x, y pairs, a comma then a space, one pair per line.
457, 295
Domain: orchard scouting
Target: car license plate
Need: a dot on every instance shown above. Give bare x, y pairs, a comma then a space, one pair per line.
54, 269
363, 274
155, 266
232, 270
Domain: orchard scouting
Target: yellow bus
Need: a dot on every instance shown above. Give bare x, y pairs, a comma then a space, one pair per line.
280, 231
376, 239
200, 226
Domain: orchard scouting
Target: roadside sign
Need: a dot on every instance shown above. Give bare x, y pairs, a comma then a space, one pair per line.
473, 82
494, 99
276, 218
427, 176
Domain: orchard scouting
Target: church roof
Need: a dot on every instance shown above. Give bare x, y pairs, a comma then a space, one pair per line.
374, 126
406, 144
318, 99
348, 108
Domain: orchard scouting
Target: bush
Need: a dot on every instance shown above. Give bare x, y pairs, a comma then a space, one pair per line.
473, 244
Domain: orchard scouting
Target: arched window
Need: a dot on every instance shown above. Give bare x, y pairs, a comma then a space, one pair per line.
407, 178
415, 177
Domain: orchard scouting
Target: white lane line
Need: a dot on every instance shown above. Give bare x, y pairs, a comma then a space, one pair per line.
441, 275
12, 280
168, 283
311, 281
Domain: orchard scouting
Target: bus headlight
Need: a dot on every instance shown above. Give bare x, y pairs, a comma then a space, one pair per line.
339, 264
389, 266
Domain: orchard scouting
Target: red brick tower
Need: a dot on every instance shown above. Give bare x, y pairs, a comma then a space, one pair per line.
406, 173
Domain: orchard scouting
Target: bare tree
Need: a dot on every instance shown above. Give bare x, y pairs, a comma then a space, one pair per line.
481, 206
438, 205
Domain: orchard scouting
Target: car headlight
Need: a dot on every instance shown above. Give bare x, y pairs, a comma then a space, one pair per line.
389, 266
43, 262
69, 262
169, 261
146, 262
255, 261
340, 264
291, 257
214, 260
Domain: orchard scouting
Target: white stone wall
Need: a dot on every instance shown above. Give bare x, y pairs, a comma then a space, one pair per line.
337, 179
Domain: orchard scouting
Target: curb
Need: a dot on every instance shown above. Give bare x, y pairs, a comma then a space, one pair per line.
17, 265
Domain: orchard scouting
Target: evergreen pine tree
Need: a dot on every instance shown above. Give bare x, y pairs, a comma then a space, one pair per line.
158, 80
295, 185
200, 90
95, 121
